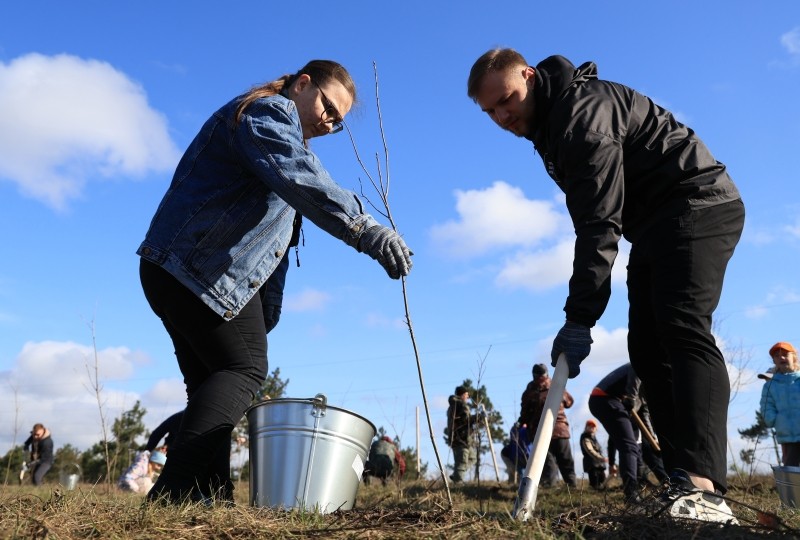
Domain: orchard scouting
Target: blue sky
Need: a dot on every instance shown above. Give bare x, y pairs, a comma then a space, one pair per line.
97, 102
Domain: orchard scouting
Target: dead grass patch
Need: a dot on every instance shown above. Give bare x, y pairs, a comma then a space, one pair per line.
404, 511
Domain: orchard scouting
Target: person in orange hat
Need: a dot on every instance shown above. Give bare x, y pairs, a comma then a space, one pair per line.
779, 401
594, 462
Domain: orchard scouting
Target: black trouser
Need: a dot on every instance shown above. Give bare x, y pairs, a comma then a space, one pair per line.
597, 475
39, 470
617, 422
223, 363
675, 275
559, 457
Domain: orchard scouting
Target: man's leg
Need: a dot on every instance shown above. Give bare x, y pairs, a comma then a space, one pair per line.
549, 470
617, 423
460, 465
562, 451
674, 285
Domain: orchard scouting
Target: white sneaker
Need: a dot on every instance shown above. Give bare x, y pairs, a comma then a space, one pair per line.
702, 506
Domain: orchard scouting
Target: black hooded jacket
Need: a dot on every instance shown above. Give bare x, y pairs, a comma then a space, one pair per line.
623, 163
459, 422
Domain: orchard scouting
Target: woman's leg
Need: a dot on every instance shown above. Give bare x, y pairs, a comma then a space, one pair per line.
223, 363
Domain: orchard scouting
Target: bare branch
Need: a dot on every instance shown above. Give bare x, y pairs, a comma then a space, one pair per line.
382, 188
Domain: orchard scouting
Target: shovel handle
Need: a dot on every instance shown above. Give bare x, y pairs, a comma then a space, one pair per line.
529, 485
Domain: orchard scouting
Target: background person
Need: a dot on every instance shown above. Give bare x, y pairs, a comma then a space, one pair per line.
611, 402
515, 454
594, 462
628, 167
40, 444
460, 425
780, 401
559, 455
138, 478
384, 460
218, 235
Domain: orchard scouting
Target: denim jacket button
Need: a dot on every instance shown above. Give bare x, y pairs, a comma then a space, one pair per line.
279, 253
255, 284
146, 251
229, 314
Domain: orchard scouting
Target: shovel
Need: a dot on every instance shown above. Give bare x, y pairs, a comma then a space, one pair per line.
645, 432
529, 485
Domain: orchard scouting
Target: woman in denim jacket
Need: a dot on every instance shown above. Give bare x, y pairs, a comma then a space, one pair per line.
218, 236
780, 401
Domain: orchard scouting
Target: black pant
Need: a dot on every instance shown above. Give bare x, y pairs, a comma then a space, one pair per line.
38, 471
597, 476
559, 458
617, 422
675, 276
223, 363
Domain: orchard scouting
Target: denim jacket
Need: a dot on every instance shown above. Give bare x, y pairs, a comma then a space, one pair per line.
780, 406
225, 222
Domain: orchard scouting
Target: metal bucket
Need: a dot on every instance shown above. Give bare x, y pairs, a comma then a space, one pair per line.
787, 481
70, 475
306, 454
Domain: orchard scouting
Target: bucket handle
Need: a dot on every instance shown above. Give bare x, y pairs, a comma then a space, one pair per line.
320, 402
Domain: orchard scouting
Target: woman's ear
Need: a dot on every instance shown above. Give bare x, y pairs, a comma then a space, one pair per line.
301, 83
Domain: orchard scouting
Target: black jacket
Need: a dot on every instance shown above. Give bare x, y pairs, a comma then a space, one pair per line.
623, 163
592, 452
41, 450
621, 382
459, 422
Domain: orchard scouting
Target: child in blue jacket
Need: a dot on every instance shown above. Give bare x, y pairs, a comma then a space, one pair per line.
780, 401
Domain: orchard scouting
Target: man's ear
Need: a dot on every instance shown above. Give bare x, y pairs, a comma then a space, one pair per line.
528, 72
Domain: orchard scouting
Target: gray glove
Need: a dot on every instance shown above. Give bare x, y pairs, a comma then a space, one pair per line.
575, 341
388, 248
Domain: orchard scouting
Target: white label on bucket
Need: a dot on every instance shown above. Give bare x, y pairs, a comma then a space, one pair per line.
358, 466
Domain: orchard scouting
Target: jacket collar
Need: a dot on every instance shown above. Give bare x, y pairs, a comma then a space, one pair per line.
552, 78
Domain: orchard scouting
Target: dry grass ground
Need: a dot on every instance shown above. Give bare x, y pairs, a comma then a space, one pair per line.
408, 510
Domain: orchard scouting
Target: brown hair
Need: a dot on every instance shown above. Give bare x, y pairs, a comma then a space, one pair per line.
493, 60
320, 71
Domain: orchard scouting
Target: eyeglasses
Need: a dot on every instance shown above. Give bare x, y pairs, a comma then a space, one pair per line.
331, 112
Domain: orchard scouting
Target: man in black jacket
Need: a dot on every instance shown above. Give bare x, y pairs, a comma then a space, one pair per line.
628, 167
460, 424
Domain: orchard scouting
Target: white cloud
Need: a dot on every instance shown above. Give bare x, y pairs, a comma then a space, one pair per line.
500, 218
775, 297
794, 229
53, 383
38, 362
538, 270
791, 41
307, 300
496, 217
166, 392
542, 270
65, 120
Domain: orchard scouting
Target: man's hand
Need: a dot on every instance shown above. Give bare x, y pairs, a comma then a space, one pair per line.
481, 411
388, 248
629, 402
575, 341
